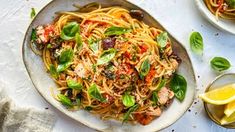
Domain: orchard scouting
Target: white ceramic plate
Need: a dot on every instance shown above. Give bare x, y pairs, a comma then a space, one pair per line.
226, 25
43, 82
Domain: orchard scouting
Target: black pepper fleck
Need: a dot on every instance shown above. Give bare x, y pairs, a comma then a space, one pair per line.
46, 108
172, 130
217, 34
189, 110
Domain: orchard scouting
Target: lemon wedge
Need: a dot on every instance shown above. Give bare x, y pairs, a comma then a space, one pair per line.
220, 96
229, 108
227, 120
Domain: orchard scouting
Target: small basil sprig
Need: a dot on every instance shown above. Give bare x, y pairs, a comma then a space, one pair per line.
94, 92
154, 97
178, 85
69, 30
33, 35
94, 45
144, 68
128, 100
65, 59
162, 39
196, 43
63, 67
74, 85
66, 56
33, 13
116, 31
162, 84
78, 40
65, 100
128, 113
106, 56
220, 64
231, 3
53, 71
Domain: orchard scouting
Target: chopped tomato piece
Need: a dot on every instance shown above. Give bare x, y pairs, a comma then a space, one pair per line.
150, 75
48, 30
127, 55
143, 48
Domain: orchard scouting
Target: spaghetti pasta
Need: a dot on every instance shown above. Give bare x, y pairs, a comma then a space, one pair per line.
109, 62
222, 8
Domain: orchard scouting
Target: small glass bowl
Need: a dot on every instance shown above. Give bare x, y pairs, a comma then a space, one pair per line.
216, 112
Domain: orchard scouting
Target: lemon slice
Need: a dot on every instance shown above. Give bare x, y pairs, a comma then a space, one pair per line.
229, 109
227, 120
220, 96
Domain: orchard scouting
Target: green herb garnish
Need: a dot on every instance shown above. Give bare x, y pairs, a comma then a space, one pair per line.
33, 13
116, 31
74, 85
94, 92
178, 85
128, 113
196, 43
69, 31
128, 100
144, 68
106, 56
220, 64
53, 71
162, 39
65, 100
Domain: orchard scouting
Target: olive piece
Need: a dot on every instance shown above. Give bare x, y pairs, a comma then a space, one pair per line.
108, 43
137, 14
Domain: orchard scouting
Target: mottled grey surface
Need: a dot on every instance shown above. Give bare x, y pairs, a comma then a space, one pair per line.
179, 17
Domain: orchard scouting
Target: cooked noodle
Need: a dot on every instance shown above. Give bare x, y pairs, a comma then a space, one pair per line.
220, 8
119, 75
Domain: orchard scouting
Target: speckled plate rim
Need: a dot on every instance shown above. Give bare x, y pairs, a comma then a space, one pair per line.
211, 18
84, 123
205, 106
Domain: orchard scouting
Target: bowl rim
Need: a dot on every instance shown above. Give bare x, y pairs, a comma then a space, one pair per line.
214, 22
205, 104
84, 123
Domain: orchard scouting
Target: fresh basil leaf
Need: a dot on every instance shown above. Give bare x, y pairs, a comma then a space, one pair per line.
154, 97
94, 45
63, 67
49, 46
178, 85
65, 100
66, 56
196, 43
33, 13
144, 68
116, 31
128, 113
33, 35
69, 30
162, 84
94, 92
220, 64
128, 100
231, 3
78, 40
53, 71
162, 39
88, 108
106, 56
74, 85
78, 101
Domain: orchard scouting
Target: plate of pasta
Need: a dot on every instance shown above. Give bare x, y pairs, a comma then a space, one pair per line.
108, 65
220, 13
